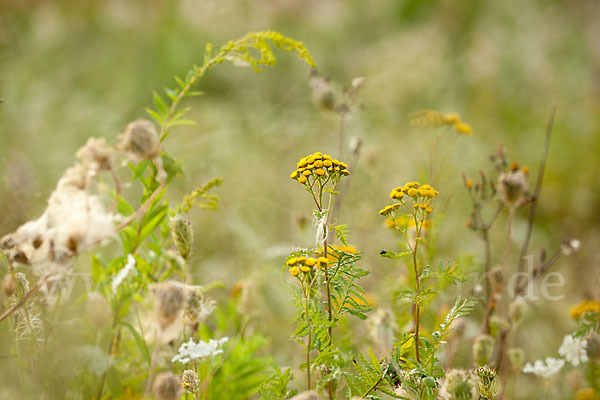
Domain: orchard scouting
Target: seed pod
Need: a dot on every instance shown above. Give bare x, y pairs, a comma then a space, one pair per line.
140, 140
98, 310
496, 276
167, 386
183, 235
516, 310
483, 347
516, 357
169, 302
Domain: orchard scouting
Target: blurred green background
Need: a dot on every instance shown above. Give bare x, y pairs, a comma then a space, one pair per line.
74, 69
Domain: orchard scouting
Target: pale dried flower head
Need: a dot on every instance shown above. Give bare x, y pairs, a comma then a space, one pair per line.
140, 140
169, 302
95, 155
197, 308
167, 386
512, 188
74, 221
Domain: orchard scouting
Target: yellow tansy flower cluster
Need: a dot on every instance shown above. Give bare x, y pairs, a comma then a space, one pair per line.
585, 394
421, 195
435, 118
453, 120
305, 264
317, 166
586, 306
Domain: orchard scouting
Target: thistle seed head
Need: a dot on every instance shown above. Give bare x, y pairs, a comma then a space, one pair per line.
512, 188
170, 299
167, 386
140, 140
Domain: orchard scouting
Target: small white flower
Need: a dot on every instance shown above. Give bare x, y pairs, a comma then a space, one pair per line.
123, 273
190, 351
573, 350
546, 370
570, 246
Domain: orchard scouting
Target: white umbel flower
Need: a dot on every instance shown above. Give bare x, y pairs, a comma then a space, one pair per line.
546, 369
190, 350
573, 350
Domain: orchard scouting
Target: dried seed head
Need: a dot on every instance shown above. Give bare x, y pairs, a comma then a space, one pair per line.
322, 93
95, 155
167, 386
496, 276
196, 307
190, 381
183, 235
140, 140
593, 347
460, 385
512, 188
98, 309
169, 302
483, 345
9, 286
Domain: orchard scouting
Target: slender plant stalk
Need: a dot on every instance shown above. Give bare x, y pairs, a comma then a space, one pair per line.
418, 285
538, 186
327, 285
152, 366
309, 327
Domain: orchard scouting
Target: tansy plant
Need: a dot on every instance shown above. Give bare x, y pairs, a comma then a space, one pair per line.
326, 275
415, 356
